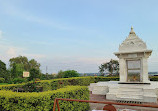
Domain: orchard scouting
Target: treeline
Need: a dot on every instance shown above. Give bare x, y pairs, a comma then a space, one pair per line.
14, 74
16, 67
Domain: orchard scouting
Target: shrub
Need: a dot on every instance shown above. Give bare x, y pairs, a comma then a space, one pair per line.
153, 78
97, 79
43, 101
18, 80
59, 83
2, 80
11, 86
31, 87
37, 79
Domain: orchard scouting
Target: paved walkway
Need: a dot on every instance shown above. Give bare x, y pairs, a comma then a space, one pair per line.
99, 107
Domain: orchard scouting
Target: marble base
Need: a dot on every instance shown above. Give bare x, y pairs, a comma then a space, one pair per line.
134, 83
126, 92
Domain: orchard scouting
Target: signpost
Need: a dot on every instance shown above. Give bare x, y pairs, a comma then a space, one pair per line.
26, 74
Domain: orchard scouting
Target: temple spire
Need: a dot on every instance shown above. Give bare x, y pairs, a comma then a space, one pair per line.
132, 31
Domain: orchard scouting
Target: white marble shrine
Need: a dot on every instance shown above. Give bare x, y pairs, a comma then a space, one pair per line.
134, 84
133, 55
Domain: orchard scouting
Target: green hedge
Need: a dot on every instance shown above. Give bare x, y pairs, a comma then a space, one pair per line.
2, 80
59, 83
97, 79
11, 86
18, 80
43, 101
153, 78
82, 81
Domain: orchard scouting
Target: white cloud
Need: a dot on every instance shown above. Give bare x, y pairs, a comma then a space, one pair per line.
8, 51
15, 51
12, 52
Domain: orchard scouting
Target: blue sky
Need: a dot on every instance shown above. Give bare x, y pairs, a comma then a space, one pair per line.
75, 34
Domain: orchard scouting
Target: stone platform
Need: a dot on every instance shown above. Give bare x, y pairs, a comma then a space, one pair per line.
99, 107
126, 92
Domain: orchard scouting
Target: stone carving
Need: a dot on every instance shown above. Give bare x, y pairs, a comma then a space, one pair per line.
132, 42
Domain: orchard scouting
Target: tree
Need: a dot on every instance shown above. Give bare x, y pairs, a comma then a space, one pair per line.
17, 70
111, 67
60, 74
34, 64
8, 78
20, 60
43, 76
70, 73
24, 62
3, 70
14, 73
34, 73
67, 74
20, 64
